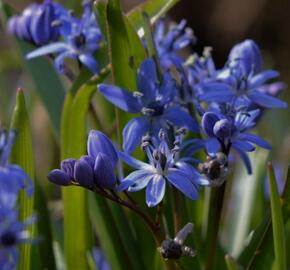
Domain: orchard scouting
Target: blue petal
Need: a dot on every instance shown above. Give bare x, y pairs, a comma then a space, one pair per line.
133, 162
133, 132
59, 60
56, 47
120, 97
148, 69
104, 172
217, 96
266, 101
243, 146
181, 181
147, 87
212, 146
208, 121
256, 140
136, 180
191, 146
59, 177
155, 190
67, 165
98, 142
181, 118
89, 61
83, 173
263, 77
246, 160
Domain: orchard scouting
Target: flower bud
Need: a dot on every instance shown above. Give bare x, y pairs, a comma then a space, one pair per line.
59, 177
104, 172
67, 166
208, 121
222, 128
97, 143
83, 173
248, 54
42, 31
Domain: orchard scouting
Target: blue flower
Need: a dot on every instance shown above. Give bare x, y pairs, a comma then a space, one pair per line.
12, 177
169, 44
12, 233
226, 133
164, 165
93, 170
82, 39
35, 24
249, 55
155, 102
242, 83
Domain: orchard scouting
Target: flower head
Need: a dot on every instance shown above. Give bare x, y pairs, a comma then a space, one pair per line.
155, 101
82, 38
225, 133
163, 165
168, 44
93, 170
35, 23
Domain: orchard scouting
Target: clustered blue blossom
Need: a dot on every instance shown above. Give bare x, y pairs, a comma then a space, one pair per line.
56, 31
13, 179
94, 170
187, 106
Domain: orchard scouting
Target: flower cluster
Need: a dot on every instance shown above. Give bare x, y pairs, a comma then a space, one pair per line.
66, 36
12, 180
92, 171
169, 102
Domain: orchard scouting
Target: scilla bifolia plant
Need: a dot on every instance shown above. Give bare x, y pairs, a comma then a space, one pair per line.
146, 188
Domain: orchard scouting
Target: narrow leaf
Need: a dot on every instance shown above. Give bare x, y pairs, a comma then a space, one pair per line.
154, 8
22, 154
277, 222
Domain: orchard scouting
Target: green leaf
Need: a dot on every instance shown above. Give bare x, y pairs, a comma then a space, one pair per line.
154, 8
22, 154
242, 198
73, 145
277, 222
231, 263
125, 47
78, 241
108, 235
44, 248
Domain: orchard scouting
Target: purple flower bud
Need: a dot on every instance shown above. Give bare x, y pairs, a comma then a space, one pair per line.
59, 177
249, 56
24, 22
67, 166
41, 28
208, 121
104, 172
222, 128
83, 173
98, 142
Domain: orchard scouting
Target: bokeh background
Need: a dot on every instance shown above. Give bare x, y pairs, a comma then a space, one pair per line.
216, 23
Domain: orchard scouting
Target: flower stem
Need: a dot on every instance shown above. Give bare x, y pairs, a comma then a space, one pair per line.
177, 210
213, 222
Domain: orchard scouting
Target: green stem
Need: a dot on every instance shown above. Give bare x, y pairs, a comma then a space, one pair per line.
213, 223
177, 210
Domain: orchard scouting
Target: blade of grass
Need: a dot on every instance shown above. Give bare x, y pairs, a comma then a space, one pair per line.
277, 222
154, 8
22, 154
